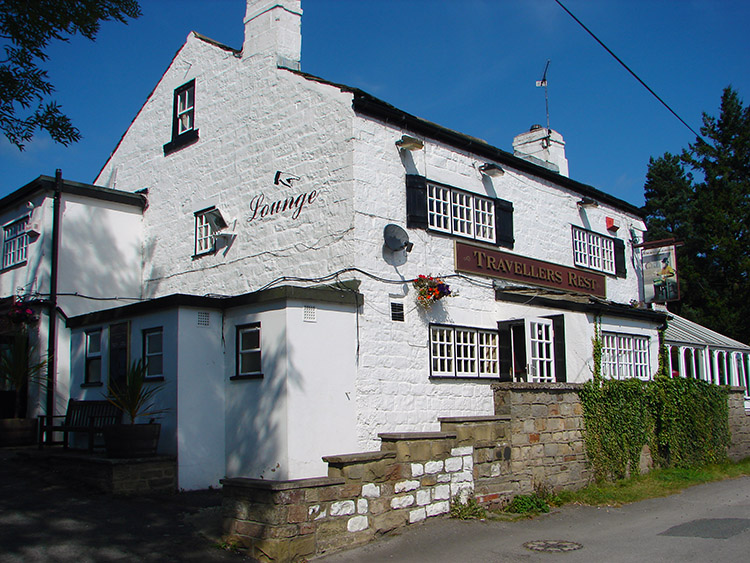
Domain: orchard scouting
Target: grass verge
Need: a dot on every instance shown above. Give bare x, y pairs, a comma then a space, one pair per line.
657, 483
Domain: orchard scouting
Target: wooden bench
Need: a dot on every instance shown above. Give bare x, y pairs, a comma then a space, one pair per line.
89, 417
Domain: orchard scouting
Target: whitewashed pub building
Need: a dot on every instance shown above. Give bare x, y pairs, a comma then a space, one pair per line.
235, 240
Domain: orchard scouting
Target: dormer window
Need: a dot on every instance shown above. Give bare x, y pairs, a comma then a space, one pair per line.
183, 118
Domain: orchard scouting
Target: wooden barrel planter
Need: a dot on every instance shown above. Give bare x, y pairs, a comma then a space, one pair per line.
18, 431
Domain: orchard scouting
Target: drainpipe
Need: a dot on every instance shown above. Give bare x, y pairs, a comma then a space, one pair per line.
52, 307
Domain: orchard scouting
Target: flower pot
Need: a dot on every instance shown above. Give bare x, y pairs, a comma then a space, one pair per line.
18, 431
131, 440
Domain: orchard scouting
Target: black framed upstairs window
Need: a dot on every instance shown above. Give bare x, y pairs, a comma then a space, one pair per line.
445, 209
184, 131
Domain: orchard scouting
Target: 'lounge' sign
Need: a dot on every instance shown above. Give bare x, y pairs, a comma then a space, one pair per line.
492, 263
259, 209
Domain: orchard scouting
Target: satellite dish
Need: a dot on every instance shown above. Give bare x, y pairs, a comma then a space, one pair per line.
396, 238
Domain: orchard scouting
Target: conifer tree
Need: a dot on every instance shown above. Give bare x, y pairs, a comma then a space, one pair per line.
702, 198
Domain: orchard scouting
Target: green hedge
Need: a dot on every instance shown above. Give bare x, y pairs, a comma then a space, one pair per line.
685, 422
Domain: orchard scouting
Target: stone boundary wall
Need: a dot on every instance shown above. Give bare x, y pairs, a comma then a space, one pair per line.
411, 478
547, 446
535, 439
739, 425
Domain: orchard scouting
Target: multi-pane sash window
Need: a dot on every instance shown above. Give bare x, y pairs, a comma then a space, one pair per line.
15, 243
463, 352
624, 356
93, 356
592, 250
248, 350
153, 352
460, 213
204, 236
185, 109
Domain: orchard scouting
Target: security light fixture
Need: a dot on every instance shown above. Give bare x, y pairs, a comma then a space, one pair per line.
489, 169
587, 202
408, 143
215, 220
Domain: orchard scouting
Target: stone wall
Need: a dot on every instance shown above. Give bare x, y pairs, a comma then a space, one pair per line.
547, 447
142, 476
739, 425
413, 477
535, 439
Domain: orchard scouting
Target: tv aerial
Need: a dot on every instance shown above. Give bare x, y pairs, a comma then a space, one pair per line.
543, 84
396, 238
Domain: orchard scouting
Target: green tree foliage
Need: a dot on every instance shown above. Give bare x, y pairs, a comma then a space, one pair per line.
702, 198
26, 28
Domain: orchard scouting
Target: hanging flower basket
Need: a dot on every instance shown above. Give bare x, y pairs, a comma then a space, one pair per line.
430, 290
21, 313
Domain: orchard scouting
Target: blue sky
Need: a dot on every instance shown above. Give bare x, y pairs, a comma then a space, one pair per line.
470, 65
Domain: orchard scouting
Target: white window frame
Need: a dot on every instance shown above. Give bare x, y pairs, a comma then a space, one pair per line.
241, 352
93, 354
625, 356
15, 242
185, 110
461, 213
205, 240
149, 353
457, 351
594, 251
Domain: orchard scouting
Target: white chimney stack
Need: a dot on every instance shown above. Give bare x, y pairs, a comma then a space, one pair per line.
544, 147
273, 27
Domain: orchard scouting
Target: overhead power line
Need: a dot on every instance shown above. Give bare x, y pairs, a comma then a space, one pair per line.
626, 67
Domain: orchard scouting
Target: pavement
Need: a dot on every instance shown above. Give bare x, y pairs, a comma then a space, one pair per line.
704, 523
43, 519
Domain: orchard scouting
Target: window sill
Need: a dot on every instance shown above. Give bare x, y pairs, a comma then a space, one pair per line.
154, 379
465, 378
244, 377
202, 254
182, 141
14, 266
92, 384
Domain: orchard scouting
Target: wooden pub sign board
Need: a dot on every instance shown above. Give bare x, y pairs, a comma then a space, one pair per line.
472, 259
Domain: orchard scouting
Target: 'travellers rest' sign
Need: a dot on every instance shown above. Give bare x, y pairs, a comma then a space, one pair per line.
293, 204
492, 263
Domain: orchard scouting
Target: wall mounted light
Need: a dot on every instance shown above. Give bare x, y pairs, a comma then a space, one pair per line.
587, 202
489, 169
408, 143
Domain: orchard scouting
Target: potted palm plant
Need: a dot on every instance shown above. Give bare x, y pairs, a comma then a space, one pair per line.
18, 368
135, 397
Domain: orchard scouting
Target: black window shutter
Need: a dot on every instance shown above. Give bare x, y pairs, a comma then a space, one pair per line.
504, 223
620, 267
506, 354
416, 201
558, 329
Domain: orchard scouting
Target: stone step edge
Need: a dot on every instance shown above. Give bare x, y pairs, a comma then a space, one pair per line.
363, 457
